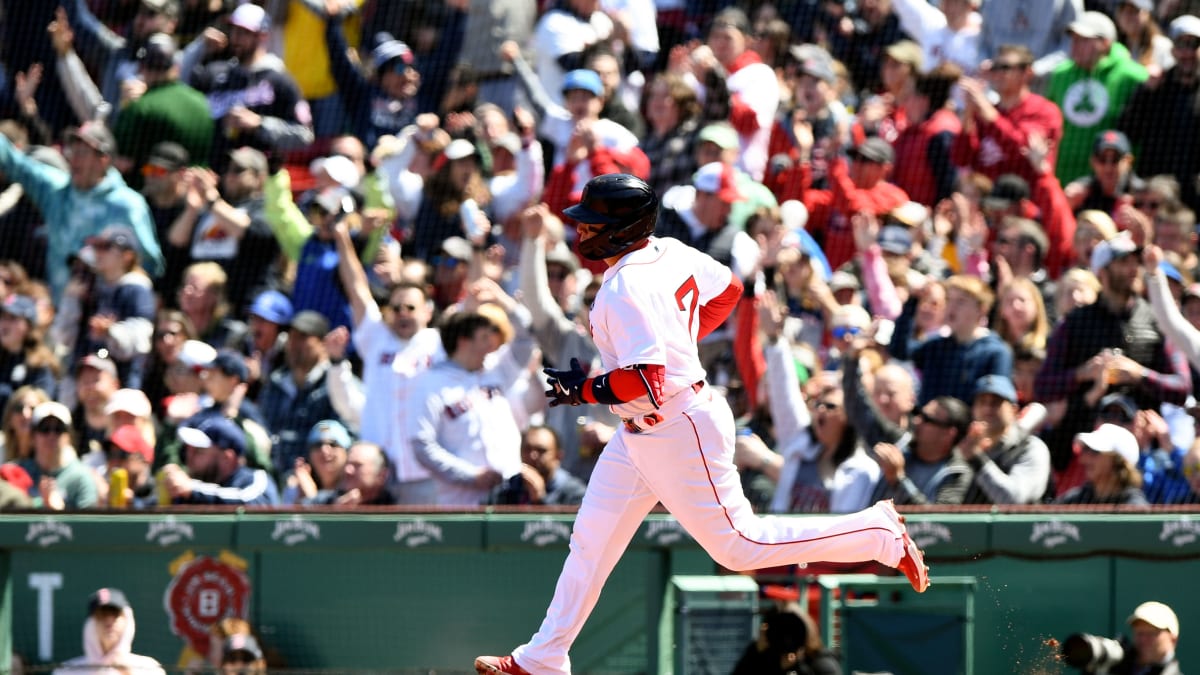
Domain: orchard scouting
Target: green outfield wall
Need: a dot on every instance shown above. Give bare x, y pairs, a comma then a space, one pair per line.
421, 592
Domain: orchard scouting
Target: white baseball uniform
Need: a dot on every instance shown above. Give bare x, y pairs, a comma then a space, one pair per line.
647, 312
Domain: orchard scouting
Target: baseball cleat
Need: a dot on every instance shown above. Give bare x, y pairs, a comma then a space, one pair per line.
498, 665
912, 564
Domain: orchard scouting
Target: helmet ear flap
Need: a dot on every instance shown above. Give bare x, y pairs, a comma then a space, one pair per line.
626, 207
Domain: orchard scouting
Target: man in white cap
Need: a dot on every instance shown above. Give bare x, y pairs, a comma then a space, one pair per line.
1110, 346
61, 480
1155, 636
245, 116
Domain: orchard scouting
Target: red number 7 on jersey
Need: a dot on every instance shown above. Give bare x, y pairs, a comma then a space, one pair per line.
689, 287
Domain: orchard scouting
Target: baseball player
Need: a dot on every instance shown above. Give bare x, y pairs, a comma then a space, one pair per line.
676, 446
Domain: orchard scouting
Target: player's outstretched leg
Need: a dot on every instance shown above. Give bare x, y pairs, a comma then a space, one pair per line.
498, 665
912, 564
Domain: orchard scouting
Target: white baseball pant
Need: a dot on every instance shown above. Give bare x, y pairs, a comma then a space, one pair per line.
686, 462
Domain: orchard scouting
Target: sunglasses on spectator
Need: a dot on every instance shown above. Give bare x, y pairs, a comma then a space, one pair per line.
52, 428
557, 275
236, 168
826, 405
447, 261
1187, 43
154, 171
1107, 158
922, 418
1005, 67
840, 332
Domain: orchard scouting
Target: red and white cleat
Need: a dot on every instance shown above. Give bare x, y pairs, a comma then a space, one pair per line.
913, 561
498, 665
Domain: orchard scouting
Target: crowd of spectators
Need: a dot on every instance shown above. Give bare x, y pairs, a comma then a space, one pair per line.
314, 252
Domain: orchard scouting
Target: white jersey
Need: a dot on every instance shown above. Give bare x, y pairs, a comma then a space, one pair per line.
462, 421
560, 32
647, 312
389, 365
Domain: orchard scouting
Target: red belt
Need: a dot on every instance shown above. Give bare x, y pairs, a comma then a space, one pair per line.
637, 425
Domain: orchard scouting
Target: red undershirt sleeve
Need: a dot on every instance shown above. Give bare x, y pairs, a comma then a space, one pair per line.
714, 312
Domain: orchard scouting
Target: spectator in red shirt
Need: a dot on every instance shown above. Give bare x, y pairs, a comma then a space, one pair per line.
860, 186
995, 137
923, 166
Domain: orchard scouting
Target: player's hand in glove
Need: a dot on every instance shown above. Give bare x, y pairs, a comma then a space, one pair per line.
566, 386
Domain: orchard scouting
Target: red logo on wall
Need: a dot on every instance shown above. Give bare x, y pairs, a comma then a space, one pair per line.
204, 591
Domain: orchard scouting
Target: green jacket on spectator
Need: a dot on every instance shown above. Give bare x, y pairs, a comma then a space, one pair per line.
1091, 102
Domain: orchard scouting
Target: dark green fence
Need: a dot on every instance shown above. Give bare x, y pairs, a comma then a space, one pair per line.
372, 591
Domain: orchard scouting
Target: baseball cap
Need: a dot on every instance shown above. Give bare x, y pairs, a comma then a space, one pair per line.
1008, 189
99, 361
459, 148
107, 597
1110, 438
906, 51
909, 214
95, 135
820, 68
231, 363
132, 401
1147, 5
336, 199
721, 134
169, 155
875, 149
457, 248
158, 54
895, 239
1158, 615
121, 236
841, 280
1170, 272
272, 306
1122, 402
251, 17
129, 439
561, 255
311, 323
1187, 24
249, 158
998, 385
582, 78
196, 355
1093, 25
717, 178
240, 642
510, 141
51, 409
1113, 249
20, 306
733, 17
387, 49
329, 431
167, 7
793, 214
213, 431
1111, 139
339, 169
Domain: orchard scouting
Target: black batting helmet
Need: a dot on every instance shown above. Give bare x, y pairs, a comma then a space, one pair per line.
626, 207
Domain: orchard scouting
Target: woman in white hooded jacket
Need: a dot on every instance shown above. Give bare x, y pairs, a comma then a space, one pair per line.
108, 640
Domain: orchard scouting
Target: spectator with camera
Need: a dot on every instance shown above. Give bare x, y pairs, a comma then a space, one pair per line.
1151, 651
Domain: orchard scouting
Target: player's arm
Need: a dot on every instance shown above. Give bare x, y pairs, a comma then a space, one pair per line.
714, 312
574, 387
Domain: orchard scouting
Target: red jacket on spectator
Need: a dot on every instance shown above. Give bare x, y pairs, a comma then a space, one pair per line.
995, 149
915, 172
786, 183
829, 211
1057, 219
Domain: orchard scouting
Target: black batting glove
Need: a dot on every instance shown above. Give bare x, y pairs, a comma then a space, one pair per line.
566, 386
